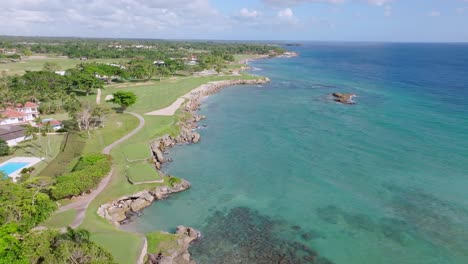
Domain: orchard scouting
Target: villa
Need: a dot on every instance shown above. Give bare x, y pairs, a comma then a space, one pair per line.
54, 124
20, 114
12, 134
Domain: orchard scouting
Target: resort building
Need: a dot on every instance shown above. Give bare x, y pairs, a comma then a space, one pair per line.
54, 124
19, 114
12, 134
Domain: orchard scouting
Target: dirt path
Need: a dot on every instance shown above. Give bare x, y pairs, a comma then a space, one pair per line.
144, 251
83, 202
98, 96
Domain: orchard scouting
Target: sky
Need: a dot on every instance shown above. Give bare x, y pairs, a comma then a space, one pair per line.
312, 20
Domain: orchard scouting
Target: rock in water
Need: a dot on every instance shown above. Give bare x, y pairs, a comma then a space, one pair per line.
344, 98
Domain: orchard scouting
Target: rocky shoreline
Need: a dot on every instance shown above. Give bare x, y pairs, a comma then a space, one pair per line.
125, 208
179, 254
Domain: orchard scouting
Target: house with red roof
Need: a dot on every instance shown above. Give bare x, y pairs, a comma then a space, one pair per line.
19, 114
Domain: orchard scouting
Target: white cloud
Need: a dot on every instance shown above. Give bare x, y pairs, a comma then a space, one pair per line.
434, 14
113, 18
244, 12
378, 2
287, 15
296, 2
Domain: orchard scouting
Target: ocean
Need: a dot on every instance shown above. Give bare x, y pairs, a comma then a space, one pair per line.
283, 174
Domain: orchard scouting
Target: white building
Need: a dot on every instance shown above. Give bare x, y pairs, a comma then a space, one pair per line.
12, 134
20, 114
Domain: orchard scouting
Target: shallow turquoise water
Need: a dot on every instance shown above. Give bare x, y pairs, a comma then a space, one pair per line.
284, 174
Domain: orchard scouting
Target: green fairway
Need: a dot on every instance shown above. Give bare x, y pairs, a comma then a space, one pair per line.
142, 172
164, 93
37, 63
160, 242
116, 126
60, 220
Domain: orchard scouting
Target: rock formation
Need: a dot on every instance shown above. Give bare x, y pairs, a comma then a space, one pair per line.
344, 98
179, 254
122, 210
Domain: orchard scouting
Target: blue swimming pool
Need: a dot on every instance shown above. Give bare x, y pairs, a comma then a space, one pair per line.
11, 167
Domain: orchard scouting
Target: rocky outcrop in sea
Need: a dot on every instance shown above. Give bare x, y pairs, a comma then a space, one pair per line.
344, 98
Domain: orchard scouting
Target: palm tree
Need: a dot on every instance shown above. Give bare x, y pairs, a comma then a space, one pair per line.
46, 128
30, 132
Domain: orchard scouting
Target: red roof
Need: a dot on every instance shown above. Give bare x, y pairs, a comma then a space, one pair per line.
10, 113
51, 122
30, 105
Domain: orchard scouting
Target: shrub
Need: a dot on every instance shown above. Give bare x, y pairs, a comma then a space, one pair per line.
4, 148
86, 175
173, 181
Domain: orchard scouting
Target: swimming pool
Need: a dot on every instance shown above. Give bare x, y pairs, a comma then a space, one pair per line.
11, 167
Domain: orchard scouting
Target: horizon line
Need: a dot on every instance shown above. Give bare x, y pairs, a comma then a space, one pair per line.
236, 40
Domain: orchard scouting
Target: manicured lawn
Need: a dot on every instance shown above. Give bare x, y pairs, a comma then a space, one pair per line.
18, 68
116, 126
68, 156
164, 93
160, 242
142, 171
60, 220
37, 148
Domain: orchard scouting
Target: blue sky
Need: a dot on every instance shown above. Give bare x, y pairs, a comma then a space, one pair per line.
316, 20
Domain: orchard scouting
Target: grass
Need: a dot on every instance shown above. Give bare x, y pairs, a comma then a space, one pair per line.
18, 68
60, 220
37, 148
143, 171
125, 246
162, 94
69, 154
116, 126
161, 242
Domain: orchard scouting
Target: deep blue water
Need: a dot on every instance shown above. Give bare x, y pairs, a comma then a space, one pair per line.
285, 175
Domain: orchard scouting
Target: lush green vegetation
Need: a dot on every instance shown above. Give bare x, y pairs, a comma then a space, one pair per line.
23, 207
124, 99
85, 175
4, 148
161, 242
36, 63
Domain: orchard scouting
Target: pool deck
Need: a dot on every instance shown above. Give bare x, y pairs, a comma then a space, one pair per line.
16, 174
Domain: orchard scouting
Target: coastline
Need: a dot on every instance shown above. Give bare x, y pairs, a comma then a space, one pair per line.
128, 207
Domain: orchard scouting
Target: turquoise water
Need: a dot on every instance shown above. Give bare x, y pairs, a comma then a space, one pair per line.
285, 175
11, 167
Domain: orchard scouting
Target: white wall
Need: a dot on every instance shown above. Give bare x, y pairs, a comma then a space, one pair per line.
14, 142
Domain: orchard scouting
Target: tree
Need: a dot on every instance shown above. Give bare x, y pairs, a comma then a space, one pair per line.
124, 99
4, 148
51, 67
